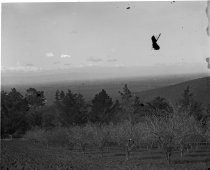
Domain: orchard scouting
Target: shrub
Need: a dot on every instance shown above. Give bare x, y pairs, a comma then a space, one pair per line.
81, 136
58, 136
37, 135
177, 132
120, 133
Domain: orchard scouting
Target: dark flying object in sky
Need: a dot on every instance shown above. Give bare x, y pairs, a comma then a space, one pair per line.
154, 42
128, 7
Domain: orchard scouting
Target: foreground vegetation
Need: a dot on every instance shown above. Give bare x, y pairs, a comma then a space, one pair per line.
22, 113
97, 128
177, 133
23, 154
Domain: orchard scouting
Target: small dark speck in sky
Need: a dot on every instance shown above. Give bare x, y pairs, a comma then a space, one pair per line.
172, 2
128, 7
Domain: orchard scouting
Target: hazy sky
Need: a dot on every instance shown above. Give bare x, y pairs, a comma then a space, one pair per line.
52, 36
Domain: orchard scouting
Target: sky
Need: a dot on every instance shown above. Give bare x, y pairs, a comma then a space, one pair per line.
51, 37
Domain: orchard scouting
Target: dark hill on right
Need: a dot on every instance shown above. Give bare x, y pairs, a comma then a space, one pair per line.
200, 88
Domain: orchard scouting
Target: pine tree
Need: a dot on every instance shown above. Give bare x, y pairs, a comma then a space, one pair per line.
186, 101
57, 96
35, 98
72, 108
126, 94
101, 108
14, 109
190, 106
127, 103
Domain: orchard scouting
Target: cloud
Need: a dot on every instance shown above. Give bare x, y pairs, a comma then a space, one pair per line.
26, 68
112, 60
74, 32
57, 62
95, 59
67, 64
119, 65
29, 65
65, 56
91, 65
49, 54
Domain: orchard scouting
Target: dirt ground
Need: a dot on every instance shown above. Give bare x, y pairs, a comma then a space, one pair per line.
23, 154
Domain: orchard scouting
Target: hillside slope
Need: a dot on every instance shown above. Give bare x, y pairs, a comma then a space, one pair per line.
169, 87
200, 88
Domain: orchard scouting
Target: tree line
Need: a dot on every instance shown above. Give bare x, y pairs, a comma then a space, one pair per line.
20, 113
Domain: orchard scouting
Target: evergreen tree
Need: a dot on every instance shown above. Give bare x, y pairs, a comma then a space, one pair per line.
190, 106
127, 101
186, 101
14, 109
126, 94
159, 107
101, 108
57, 95
137, 106
115, 112
36, 101
35, 98
138, 109
72, 108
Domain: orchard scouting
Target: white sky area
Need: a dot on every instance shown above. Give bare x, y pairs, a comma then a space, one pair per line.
38, 37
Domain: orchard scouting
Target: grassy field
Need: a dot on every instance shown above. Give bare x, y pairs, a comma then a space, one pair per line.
24, 154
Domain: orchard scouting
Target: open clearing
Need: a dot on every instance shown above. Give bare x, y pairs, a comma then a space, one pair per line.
23, 154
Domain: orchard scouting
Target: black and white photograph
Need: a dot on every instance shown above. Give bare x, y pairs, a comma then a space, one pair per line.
105, 85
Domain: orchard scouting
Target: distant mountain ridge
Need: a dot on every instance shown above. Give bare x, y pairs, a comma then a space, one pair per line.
200, 88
